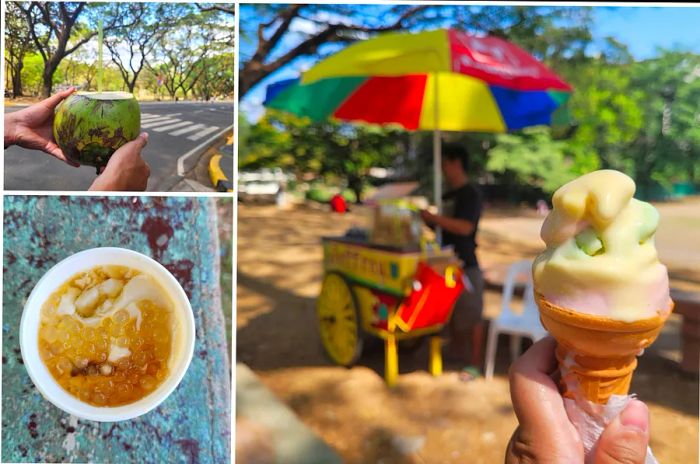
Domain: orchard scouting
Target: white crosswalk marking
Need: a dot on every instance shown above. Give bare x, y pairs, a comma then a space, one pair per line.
188, 129
172, 126
159, 122
202, 133
151, 115
176, 127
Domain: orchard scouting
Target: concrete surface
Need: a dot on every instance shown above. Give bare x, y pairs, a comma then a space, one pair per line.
291, 440
190, 426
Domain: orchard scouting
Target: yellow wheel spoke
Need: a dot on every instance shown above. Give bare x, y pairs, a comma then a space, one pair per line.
338, 320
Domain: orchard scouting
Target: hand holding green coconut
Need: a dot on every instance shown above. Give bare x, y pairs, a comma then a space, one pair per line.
68, 132
126, 170
90, 126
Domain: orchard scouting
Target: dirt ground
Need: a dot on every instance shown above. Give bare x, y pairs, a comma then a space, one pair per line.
426, 419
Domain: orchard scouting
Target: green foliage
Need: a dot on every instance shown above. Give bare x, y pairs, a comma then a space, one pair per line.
668, 148
196, 55
531, 158
322, 194
318, 195
190, 46
638, 117
324, 149
31, 73
607, 109
618, 106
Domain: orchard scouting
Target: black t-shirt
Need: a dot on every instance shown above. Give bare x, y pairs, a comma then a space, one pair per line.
463, 203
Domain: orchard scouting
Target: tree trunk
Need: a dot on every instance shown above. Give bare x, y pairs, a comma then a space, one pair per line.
17, 80
48, 79
691, 172
355, 184
247, 79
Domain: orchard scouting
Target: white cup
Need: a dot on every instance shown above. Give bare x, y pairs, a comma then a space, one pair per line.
183, 346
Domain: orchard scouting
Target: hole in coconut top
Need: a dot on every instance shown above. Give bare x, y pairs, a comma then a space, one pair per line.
107, 95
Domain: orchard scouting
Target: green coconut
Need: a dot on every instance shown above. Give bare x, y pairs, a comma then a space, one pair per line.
90, 126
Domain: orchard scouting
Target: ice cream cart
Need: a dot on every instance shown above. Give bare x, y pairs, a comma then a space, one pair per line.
390, 292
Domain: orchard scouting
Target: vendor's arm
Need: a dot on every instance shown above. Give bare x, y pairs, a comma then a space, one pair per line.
453, 225
466, 213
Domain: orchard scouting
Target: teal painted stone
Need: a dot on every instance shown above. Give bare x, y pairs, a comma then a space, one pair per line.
193, 424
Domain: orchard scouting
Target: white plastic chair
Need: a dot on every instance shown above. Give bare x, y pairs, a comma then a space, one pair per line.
526, 324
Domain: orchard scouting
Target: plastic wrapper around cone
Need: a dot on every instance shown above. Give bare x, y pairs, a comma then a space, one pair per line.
597, 355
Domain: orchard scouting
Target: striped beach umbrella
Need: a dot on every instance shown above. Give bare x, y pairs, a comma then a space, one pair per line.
440, 80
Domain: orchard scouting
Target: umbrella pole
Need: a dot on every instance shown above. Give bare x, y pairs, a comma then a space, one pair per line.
437, 178
437, 156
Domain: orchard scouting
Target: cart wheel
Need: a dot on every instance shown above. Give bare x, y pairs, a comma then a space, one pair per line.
338, 320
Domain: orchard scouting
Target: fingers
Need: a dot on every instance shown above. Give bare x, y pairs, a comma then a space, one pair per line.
130, 149
54, 100
126, 169
545, 433
625, 439
141, 141
55, 151
535, 396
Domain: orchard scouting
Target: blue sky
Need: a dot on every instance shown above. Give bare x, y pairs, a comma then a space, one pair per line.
643, 29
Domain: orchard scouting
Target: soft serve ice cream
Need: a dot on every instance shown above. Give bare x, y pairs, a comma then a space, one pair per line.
602, 294
600, 257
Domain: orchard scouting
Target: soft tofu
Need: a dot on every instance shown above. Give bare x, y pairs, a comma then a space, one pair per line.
87, 301
135, 312
67, 303
111, 287
83, 281
141, 287
117, 352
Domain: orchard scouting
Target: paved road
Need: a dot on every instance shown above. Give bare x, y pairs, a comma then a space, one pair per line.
174, 129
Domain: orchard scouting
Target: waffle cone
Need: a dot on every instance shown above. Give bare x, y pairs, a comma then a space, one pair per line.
597, 355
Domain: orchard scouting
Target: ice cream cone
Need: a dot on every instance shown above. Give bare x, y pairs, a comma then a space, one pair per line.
597, 355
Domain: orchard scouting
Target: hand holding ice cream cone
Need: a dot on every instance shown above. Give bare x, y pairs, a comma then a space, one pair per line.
602, 294
601, 290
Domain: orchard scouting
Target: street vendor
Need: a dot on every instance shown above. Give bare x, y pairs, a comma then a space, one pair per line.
459, 222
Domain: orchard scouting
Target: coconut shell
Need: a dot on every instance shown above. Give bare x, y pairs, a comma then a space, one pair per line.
90, 127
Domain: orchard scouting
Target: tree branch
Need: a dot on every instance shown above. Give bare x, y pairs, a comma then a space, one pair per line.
31, 22
229, 10
265, 46
256, 69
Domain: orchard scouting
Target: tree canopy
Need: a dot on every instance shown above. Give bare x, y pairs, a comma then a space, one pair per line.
173, 50
640, 117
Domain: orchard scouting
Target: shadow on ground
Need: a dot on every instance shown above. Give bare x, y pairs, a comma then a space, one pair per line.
423, 419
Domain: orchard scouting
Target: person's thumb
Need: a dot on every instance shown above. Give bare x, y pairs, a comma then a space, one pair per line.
625, 439
55, 99
132, 148
138, 143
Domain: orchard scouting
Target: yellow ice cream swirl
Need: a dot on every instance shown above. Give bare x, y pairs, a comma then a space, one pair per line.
600, 257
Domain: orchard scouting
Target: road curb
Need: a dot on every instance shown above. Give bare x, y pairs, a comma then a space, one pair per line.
185, 162
218, 178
